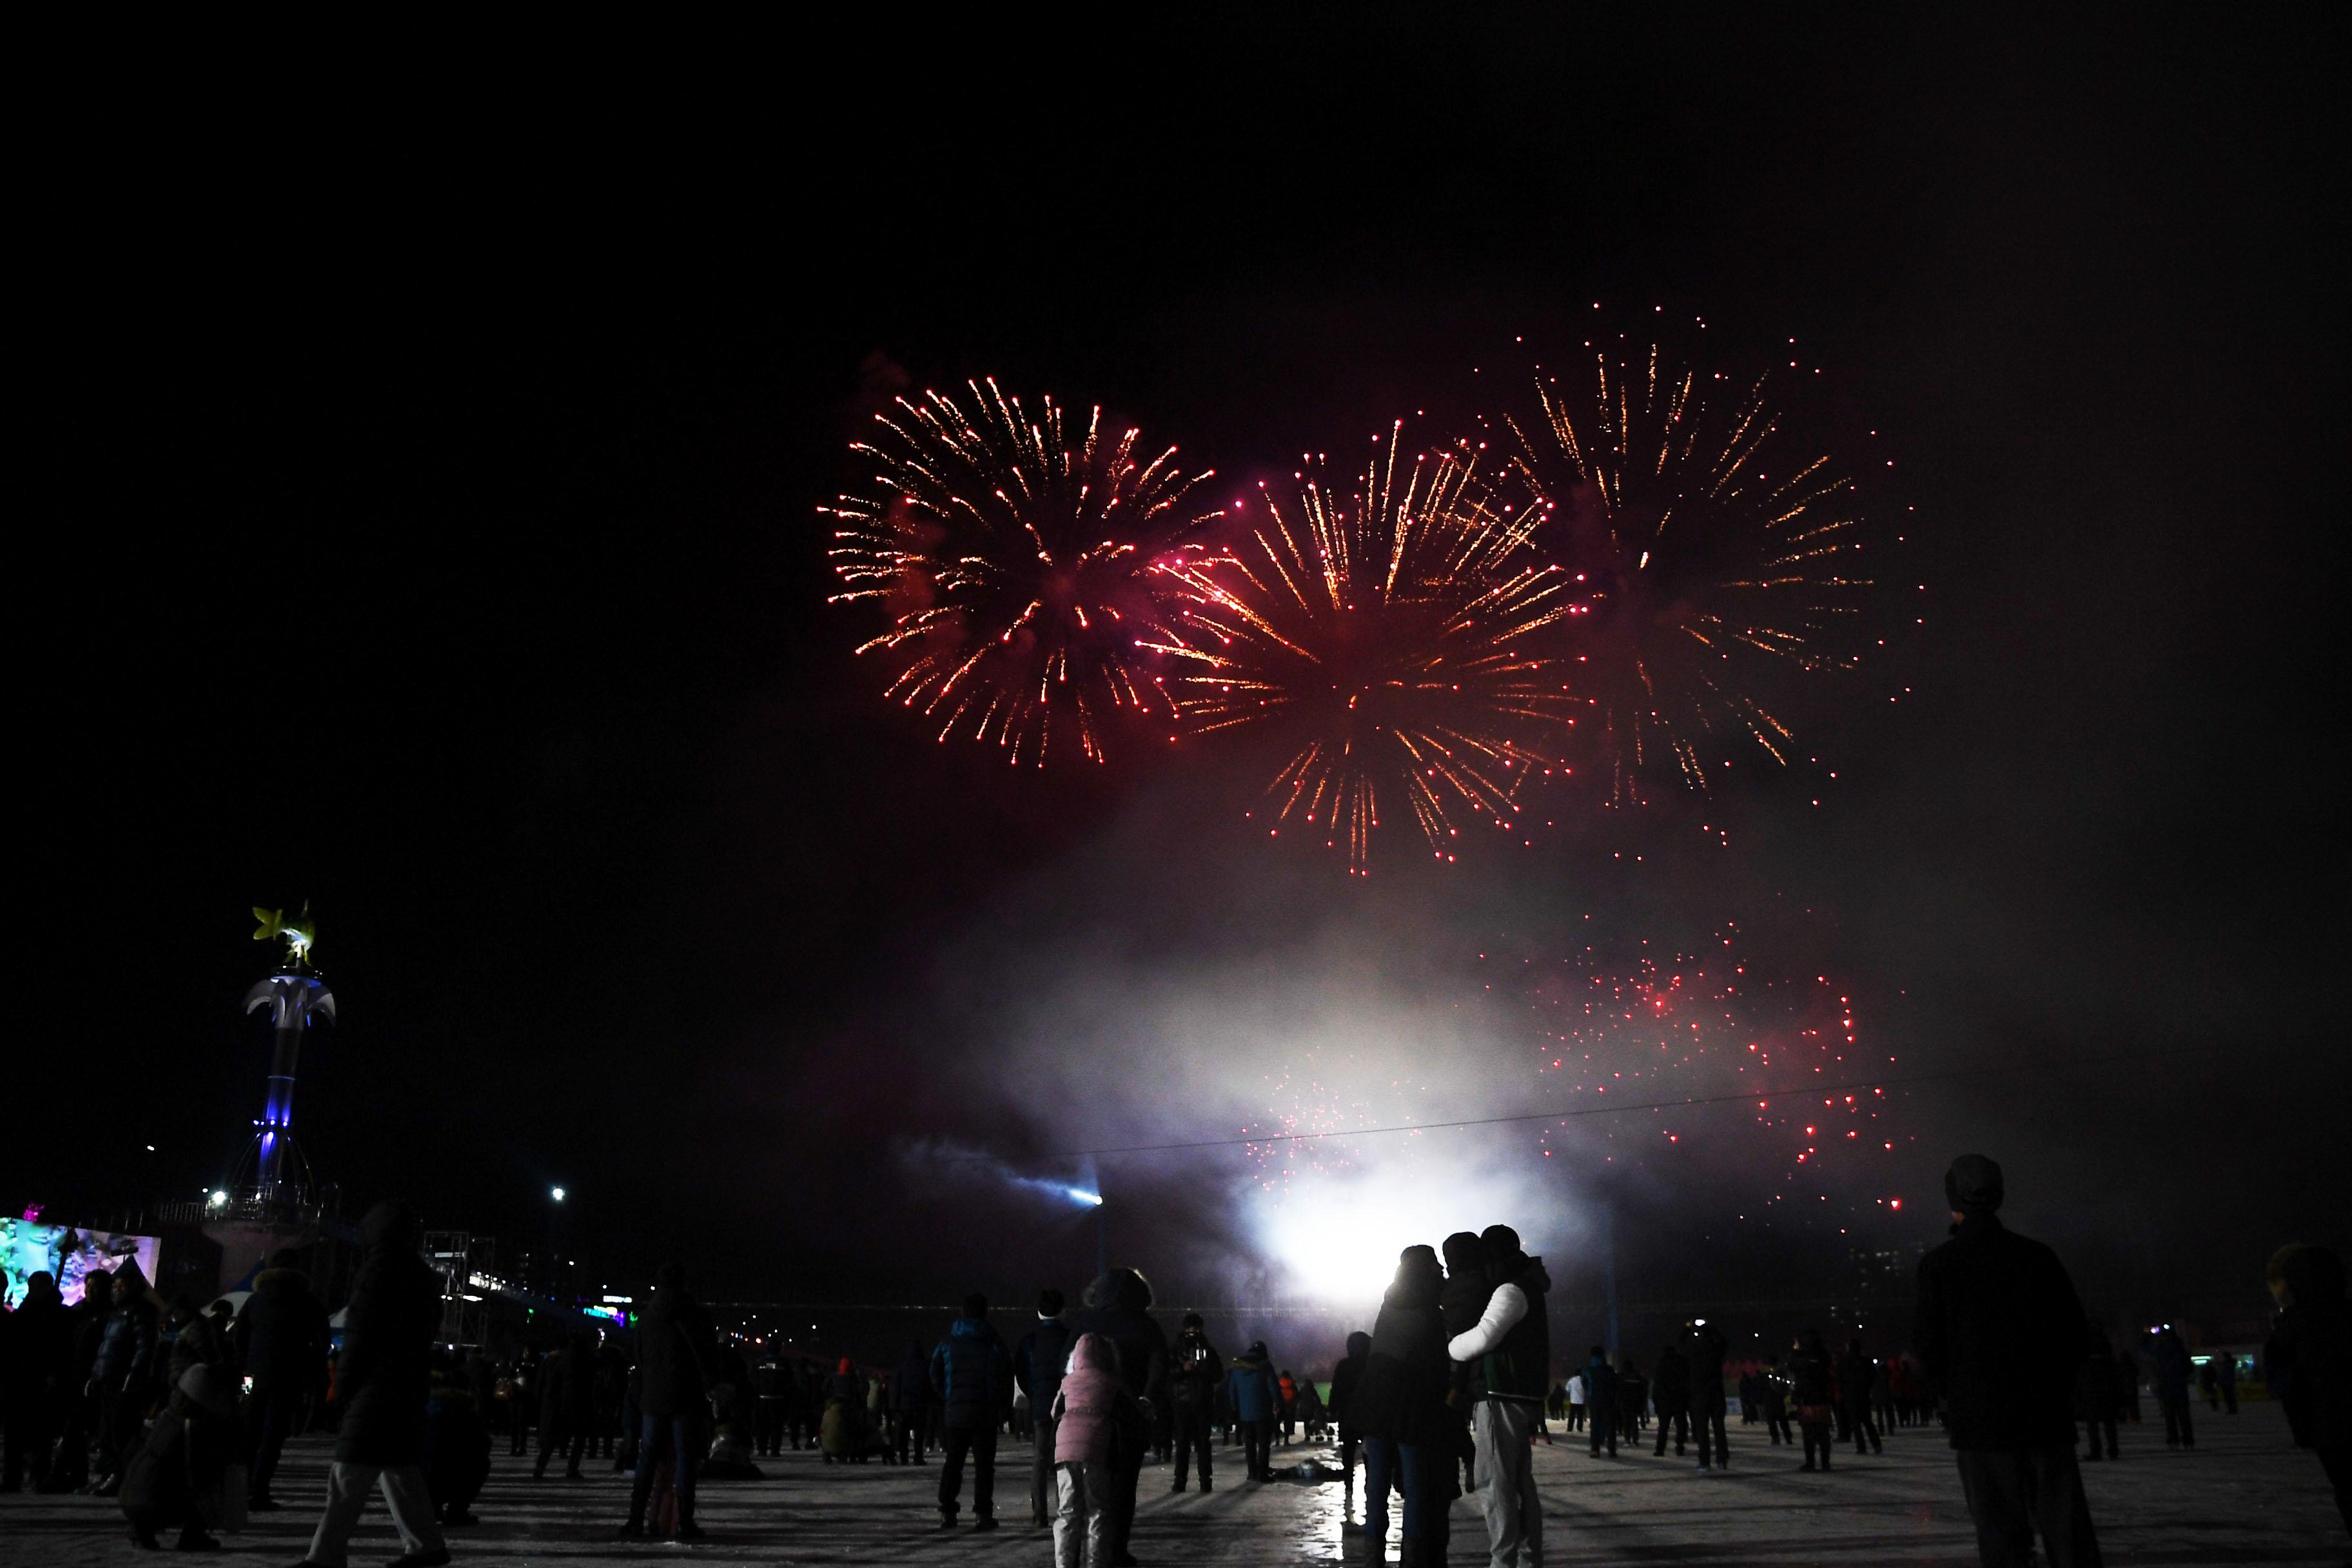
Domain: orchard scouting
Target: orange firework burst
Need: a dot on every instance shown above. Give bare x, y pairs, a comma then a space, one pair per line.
1389, 632
1706, 550
1013, 560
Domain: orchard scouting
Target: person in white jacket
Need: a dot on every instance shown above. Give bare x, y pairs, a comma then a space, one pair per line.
1508, 1354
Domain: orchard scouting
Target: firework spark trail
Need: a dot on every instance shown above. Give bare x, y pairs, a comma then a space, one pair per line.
1389, 630
1703, 571
1706, 1021
1013, 555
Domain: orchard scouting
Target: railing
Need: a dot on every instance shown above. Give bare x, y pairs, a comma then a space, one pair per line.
255, 1210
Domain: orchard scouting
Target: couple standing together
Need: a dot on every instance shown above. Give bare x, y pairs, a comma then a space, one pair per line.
1464, 1342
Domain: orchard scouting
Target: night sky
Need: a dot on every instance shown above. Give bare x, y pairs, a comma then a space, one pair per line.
428, 455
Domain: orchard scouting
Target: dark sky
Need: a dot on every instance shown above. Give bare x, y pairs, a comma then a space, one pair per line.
429, 458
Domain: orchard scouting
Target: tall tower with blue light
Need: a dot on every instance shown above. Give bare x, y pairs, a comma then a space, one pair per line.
297, 997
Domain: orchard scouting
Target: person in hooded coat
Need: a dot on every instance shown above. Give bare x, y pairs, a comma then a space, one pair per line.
1703, 1353
1118, 1308
1037, 1366
1508, 1354
677, 1357
1999, 1331
1345, 1377
2308, 1360
1670, 1397
281, 1336
1195, 1372
971, 1374
1256, 1398
385, 1381
181, 1465
1094, 1419
1398, 1407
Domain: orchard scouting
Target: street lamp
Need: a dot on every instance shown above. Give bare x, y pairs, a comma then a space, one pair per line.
556, 1193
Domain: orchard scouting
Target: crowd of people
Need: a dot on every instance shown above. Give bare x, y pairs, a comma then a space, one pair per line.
182, 1414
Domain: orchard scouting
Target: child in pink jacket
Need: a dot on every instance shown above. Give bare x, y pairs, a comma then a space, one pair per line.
1093, 1414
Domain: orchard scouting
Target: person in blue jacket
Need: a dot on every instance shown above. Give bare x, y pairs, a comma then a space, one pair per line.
971, 1374
1256, 1396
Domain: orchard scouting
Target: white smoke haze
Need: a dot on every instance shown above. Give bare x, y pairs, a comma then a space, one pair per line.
1121, 1031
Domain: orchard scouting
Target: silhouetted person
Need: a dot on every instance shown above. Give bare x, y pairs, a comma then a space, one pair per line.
1037, 1366
2096, 1400
2308, 1361
1813, 1384
456, 1447
281, 1336
182, 1462
1195, 1372
40, 1376
910, 1400
1704, 1348
2225, 1379
567, 1405
1853, 1375
1600, 1401
1775, 1393
1670, 1396
678, 1353
383, 1382
121, 1371
1508, 1355
1632, 1400
1399, 1407
1344, 1378
1999, 1331
1254, 1395
1118, 1308
2173, 1370
1460, 1304
971, 1374
1094, 1419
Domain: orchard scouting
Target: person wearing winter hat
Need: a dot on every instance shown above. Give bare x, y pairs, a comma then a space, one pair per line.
1506, 1356
1195, 1372
1037, 1368
1999, 1331
1256, 1400
1096, 1421
384, 1382
971, 1374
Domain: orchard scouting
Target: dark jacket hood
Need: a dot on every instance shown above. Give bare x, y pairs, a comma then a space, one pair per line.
391, 1226
1122, 1288
1360, 1345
